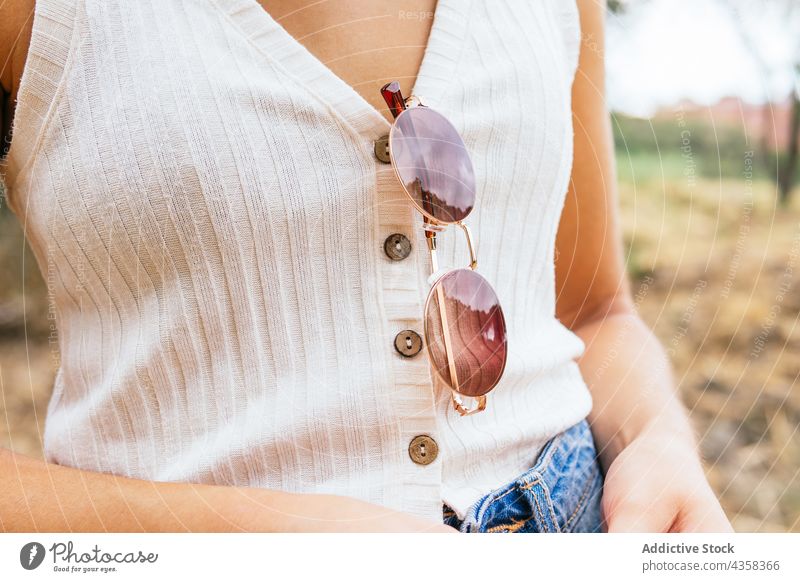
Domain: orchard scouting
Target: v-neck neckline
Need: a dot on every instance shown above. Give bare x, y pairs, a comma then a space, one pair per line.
442, 51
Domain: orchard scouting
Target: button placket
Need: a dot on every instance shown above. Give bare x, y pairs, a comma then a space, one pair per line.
403, 289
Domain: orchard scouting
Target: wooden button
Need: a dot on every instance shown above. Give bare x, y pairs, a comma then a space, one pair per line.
408, 343
382, 149
397, 246
423, 450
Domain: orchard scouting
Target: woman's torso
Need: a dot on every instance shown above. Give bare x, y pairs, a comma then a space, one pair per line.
203, 197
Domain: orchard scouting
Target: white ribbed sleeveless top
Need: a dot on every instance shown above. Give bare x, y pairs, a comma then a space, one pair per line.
202, 196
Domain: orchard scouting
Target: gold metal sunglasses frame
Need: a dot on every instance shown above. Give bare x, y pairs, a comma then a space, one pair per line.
432, 226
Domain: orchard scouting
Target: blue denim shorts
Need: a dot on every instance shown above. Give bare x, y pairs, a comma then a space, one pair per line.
559, 493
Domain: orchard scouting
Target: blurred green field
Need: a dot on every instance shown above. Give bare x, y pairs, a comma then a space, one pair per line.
714, 262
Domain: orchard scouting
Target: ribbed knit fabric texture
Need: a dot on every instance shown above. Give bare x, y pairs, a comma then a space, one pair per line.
202, 196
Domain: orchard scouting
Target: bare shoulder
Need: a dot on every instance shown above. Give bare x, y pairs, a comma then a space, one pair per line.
16, 22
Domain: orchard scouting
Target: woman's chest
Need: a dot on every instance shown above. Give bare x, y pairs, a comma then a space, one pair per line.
366, 43
209, 117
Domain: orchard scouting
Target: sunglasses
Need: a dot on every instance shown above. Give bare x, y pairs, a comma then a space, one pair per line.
465, 330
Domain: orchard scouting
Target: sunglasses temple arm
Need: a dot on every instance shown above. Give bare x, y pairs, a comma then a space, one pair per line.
394, 98
458, 403
440, 301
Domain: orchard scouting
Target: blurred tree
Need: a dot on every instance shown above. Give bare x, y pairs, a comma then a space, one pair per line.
749, 16
787, 175
616, 6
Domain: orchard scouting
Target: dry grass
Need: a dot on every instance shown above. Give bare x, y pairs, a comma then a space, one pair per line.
716, 269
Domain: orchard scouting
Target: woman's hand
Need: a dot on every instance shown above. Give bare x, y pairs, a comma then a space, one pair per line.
657, 484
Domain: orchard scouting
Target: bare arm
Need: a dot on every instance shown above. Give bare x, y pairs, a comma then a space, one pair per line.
35, 496
637, 420
38, 496
635, 387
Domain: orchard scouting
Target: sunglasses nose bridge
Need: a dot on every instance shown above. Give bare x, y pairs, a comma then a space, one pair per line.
473, 258
430, 237
432, 229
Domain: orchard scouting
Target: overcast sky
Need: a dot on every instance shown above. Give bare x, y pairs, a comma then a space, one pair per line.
663, 51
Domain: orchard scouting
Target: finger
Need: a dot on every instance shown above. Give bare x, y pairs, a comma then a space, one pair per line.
631, 516
703, 517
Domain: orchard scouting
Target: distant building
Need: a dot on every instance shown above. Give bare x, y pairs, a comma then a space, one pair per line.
765, 124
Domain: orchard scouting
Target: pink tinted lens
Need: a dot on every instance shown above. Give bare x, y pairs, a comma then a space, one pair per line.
474, 324
433, 164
